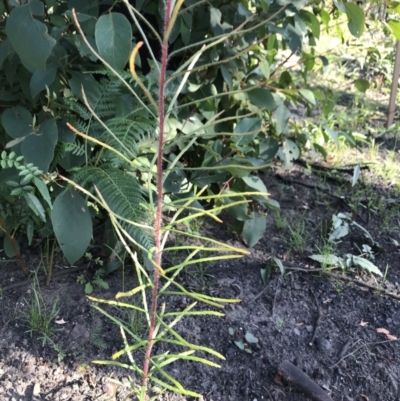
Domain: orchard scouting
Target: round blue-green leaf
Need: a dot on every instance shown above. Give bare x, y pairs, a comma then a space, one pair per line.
254, 229
28, 36
356, 17
41, 79
38, 148
17, 122
72, 224
8, 247
113, 36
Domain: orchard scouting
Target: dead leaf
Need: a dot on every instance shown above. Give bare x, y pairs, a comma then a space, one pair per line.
278, 379
362, 323
383, 331
61, 321
387, 334
299, 324
365, 397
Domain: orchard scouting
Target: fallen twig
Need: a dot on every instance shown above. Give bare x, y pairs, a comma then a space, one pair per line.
317, 321
42, 278
372, 344
294, 375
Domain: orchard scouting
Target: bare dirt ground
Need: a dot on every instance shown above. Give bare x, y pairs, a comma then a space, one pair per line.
348, 358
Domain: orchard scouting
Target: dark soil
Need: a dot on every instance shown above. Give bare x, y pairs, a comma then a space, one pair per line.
348, 357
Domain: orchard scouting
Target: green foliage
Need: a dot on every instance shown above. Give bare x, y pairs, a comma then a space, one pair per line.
72, 224
226, 120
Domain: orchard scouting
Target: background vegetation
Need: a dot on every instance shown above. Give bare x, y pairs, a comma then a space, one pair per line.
215, 85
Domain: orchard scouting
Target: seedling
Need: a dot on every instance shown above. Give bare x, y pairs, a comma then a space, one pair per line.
279, 324
96, 281
246, 343
98, 278
38, 319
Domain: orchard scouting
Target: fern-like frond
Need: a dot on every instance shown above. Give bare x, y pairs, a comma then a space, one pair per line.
122, 193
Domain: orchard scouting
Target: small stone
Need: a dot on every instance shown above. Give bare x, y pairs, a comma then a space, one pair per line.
296, 331
323, 344
36, 389
110, 389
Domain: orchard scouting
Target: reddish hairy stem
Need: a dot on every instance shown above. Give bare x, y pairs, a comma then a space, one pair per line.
158, 222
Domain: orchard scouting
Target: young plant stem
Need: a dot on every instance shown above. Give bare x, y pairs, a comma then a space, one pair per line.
158, 221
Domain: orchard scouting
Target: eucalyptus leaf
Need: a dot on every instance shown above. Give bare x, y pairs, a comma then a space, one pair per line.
356, 17
113, 36
254, 229
28, 36
72, 224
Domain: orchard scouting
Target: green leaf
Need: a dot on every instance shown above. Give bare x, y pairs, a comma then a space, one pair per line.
282, 114
42, 187
394, 26
361, 84
255, 183
280, 266
72, 224
113, 36
38, 148
356, 175
28, 36
250, 338
249, 128
41, 79
88, 288
366, 265
5, 50
29, 231
35, 205
239, 212
17, 122
264, 68
285, 79
325, 18
328, 260
254, 229
308, 95
268, 149
356, 17
8, 247
311, 21
262, 98
289, 151
295, 38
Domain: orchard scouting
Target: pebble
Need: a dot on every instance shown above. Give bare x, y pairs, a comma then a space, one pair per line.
36, 389
323, 344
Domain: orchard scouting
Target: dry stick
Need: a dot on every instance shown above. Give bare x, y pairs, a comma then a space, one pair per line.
294, 375
276, 294
358, 348
42, 278
318, 319
345, 278
51, 262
